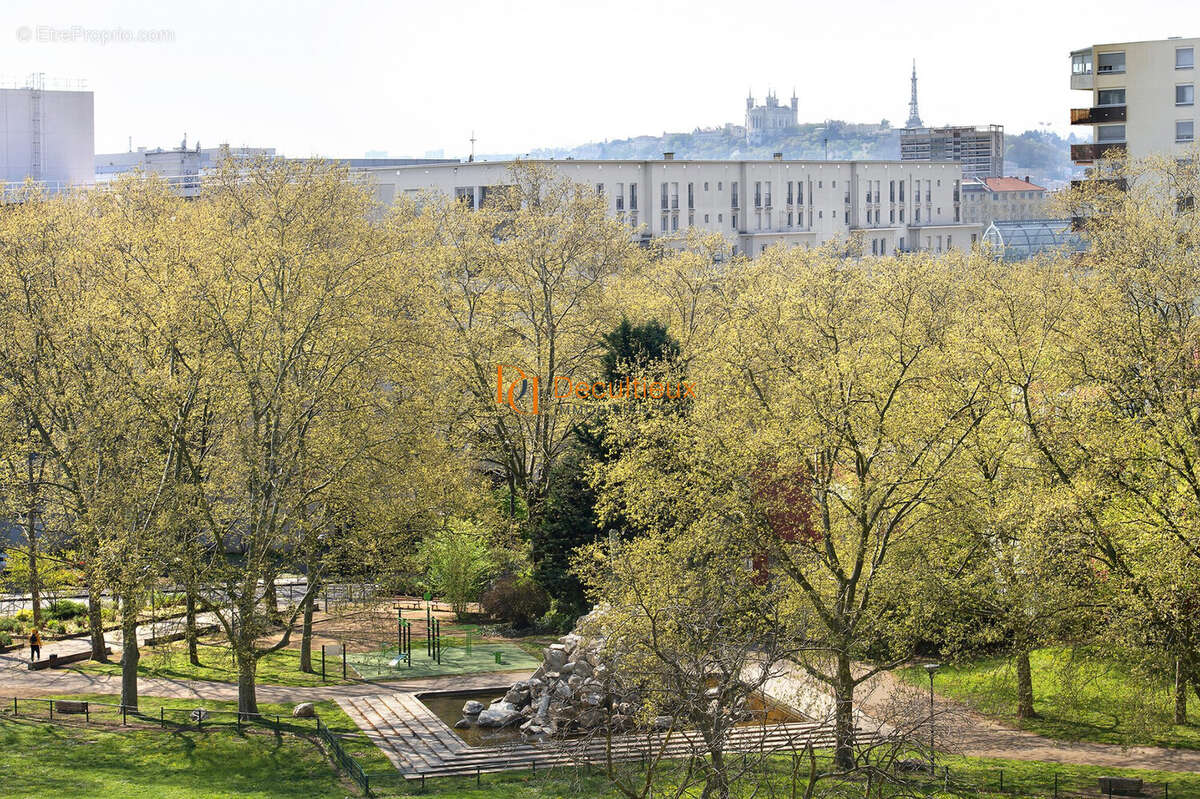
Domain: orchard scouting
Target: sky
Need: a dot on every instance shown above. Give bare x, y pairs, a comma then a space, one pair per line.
344, 77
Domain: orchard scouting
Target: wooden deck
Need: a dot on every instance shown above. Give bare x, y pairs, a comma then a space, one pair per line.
420, 744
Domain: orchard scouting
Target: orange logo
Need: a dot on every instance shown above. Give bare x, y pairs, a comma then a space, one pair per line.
512, 392
523, 382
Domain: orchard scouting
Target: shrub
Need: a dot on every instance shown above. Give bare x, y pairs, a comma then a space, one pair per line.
56, 627
10, 624
5, 638
24, 614
518, 600
457, 562
63, 609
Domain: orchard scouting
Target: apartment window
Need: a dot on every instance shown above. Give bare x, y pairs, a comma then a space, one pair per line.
799, 192
1115, 62
868, 193
789, 193
663, 203
691, 197
719, 188
918, 214
720, 218
902, 211
665, 223
947, 242
1107, 133
733, 221
733, 194
768, 194
789, 218
1110, 97
674, 222
706, 185
891, 191
691, 219
819, 184
835, 184
1185, 58
758, 194
706, 219
1185, 94
633, 198
892, 216
902, 192
674, 196
620, 196
599, 189
1185, 130
1081, 64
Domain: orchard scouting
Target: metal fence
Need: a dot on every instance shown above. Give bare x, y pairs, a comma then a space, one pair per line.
185, 718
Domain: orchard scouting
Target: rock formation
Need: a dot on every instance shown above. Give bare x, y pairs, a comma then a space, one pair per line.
572, 691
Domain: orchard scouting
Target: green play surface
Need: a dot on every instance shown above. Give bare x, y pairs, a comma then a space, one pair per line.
455, 660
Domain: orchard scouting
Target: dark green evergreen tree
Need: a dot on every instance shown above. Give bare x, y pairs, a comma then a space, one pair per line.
570, 520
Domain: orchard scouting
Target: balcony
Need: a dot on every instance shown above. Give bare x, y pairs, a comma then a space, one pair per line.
1098, 114
1082, 81
1086, 153
1118, 184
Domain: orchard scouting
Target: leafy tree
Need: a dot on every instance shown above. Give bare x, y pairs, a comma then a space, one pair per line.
457, 563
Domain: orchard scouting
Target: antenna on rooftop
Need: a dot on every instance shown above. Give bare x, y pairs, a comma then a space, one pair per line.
472, 158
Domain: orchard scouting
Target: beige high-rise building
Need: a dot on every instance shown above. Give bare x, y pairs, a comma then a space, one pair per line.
890, 205
1143, 97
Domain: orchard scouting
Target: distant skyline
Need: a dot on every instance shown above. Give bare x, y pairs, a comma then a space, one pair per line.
342, 79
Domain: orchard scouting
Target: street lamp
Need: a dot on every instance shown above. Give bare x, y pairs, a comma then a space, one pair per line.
931, 669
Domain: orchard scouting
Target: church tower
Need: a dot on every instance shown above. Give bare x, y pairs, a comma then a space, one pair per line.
914, 119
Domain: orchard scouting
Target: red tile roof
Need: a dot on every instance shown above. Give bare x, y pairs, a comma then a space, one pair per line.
1011, 184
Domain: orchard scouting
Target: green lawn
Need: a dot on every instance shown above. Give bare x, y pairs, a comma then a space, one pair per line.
40, 759
1077, 698
278, 668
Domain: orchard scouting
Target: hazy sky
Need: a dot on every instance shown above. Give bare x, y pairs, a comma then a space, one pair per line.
341, 78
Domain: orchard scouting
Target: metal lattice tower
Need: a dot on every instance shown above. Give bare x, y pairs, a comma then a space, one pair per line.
914, 119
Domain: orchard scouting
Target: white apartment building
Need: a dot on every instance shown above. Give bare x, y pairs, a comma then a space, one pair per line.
47, 136
893, 205
1143, 97
987, 200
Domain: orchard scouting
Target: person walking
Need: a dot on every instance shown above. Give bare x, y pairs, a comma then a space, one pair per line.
35, 645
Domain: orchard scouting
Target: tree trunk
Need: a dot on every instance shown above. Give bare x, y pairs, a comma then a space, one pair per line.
247, 666
844, 714
130, 654
1181, 684
190, 624
35, 588
306, 635
1024, 686
271, 599
717, 782
96, 622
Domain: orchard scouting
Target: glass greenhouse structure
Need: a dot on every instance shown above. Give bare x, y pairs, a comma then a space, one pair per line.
1021, 239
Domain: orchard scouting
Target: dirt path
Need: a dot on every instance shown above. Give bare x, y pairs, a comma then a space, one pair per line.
978, 736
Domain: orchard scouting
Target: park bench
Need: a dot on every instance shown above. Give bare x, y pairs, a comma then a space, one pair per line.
1120, 786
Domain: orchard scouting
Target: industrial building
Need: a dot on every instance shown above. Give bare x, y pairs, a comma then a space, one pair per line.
48, 135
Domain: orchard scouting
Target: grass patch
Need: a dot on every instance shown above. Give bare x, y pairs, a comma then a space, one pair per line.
170, 661
39, 758
1078, 697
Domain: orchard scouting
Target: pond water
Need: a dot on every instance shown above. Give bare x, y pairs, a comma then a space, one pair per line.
447, 706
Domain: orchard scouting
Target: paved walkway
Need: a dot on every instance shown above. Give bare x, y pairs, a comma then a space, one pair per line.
22, 683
